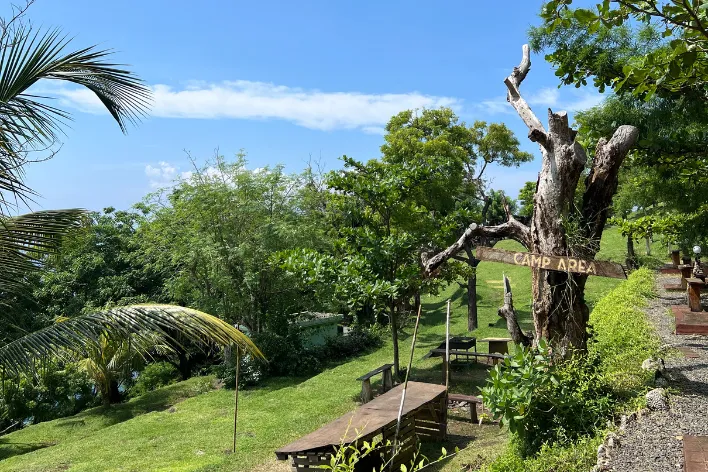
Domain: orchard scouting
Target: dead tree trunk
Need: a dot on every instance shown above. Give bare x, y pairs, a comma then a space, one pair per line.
559, 309
509, 314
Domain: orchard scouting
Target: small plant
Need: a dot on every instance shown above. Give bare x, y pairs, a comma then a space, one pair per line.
348, 456
155, 375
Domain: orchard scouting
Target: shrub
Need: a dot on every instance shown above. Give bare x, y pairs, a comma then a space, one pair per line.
580, 455
544, 403
57, 390
287, 356
155, 375
622, 335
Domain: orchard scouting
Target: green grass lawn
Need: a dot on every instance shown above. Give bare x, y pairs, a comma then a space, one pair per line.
145, 434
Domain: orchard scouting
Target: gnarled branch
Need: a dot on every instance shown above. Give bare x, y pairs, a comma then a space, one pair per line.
536, 131
512, 229
601, 182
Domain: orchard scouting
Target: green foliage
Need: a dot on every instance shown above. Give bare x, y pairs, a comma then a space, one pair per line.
154, 375
214, 241
525, 199
543, 403
674, 63
558, 404
572, 457
623, 337
57, 390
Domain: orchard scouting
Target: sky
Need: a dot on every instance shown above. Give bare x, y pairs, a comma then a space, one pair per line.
285, 82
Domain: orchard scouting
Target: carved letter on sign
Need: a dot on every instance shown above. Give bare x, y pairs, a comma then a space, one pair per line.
560, 263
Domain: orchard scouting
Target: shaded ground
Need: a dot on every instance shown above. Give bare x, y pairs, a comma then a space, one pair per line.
653, 443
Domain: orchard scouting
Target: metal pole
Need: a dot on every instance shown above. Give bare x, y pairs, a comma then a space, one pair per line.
238, 371
405, 385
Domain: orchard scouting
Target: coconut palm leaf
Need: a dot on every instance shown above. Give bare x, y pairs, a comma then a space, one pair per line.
25, 240
27, 121
72, 338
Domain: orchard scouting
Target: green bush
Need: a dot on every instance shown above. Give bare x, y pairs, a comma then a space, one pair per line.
287, 355
543, 403
580, 455
622, 335
155, 375
55, 392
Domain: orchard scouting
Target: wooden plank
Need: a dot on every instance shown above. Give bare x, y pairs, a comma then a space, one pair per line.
370, 418
559, 263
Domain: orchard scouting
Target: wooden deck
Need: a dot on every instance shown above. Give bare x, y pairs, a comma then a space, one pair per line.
372, 418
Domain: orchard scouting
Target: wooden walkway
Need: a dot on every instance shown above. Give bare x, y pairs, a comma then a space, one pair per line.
425, 402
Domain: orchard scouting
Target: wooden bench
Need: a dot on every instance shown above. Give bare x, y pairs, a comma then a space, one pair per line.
366, 393
470, 400
694, 293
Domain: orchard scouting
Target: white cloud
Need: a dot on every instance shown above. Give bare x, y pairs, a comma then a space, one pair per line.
570, 100
244, 99
161, 175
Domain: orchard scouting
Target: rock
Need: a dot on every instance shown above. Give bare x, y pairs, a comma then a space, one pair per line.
657, 400
612, 440
654, 364
601, 453
172, 409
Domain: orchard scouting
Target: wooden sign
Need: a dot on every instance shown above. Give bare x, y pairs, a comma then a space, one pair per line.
559, 263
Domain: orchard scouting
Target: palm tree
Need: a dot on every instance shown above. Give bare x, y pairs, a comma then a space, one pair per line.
29, 123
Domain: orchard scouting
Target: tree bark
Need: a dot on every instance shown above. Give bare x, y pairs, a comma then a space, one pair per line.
509, 314
631, 255
471, 290
559, 309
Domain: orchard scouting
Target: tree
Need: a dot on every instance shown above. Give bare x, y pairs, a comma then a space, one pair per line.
28, 123
557, 227
76, 337
526, 199
676, 62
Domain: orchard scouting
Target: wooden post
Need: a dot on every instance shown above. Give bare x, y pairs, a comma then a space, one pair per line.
366, 393
676, 257
694, 294
686, 270
447, 347
387, 380
238, 371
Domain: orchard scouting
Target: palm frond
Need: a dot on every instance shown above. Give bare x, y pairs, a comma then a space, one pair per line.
71, 338
27, 121
26, 239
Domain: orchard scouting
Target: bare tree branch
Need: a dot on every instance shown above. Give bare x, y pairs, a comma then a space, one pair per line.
512, 229
536, 131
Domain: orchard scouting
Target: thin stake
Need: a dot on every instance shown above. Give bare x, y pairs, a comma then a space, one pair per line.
238, 371
405, 385
447, 347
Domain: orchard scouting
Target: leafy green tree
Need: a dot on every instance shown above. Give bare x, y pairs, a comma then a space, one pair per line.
28, 124
674, 63
214, 235
526, 199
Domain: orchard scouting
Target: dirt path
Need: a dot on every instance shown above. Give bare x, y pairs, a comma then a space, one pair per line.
653, 442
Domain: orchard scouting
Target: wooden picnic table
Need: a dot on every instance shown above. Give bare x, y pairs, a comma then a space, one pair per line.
424, 414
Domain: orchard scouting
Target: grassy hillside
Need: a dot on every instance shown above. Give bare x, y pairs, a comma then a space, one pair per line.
195, 435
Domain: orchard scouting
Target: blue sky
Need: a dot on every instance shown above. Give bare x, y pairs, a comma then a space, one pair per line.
283, 81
